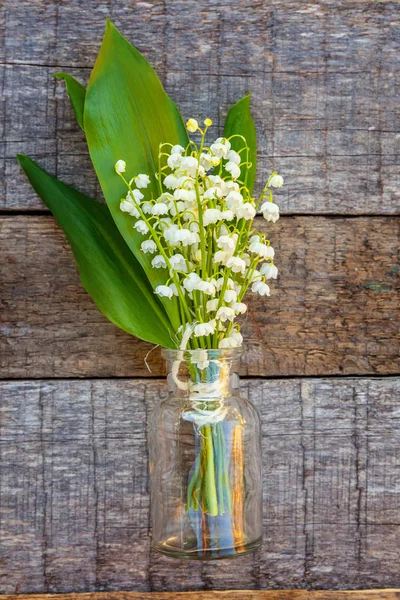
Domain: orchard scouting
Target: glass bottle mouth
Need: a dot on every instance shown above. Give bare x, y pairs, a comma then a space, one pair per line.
193, 356
204, 374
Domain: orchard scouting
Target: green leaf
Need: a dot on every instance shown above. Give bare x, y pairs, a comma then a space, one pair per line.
108, 270
127, 115
76, 93
239, 121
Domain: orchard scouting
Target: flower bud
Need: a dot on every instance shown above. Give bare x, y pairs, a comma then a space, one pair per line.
120, 166
192, 125
276, 181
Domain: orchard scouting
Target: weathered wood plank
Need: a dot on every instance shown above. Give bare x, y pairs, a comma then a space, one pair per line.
331, 128
245, 33
75, 508
335, 309
73, 463
332, 162
228, 595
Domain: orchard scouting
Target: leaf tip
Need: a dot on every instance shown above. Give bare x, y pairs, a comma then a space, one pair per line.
113, 31
61, 75
110, 25
246, 98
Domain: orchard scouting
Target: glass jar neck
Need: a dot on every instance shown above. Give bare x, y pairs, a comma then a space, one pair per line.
202, 374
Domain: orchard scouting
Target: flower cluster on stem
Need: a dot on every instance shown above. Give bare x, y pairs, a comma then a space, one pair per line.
200, 233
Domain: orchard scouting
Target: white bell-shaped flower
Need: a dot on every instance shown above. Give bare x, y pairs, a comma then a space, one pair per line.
269, 270
221, 256
254, 238
211, 215
225, 313
190, 164
160, 208
191, 282
141, 227
233, 169
227, 343
163, 291
213, 192
246, 211
230, 296
270, 211
120, 166
158, 262
148, 246
173, 289
177, 149
261, 288
220, 147
206, 161
239, 307
146, 208
262, 250
237, 264
142, 180
232, 186
171, 234
227, 242
212, 305
228, 215
234, 157
178, 263
276, 181
129, 207
171, 182
174, 161
234, 200
186, 195
206, 287
136, 195
205, 328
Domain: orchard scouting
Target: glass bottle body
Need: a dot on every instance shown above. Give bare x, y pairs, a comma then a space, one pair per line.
205, 460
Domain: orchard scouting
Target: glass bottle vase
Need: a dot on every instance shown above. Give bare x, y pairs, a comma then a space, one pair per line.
205, 460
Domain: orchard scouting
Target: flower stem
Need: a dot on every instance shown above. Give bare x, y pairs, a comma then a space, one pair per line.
208, 472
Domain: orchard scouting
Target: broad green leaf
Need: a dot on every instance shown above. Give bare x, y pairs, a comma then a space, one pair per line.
76, 93
240, 121
108, 270
127, 115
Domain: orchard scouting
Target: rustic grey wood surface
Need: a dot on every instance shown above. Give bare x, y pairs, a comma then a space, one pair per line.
324, 77
376, 594
73, 461
335, 309
75, 503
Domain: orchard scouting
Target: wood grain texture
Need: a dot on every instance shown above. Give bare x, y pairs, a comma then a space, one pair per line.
75, 506
334, 310
391, 594
324, 78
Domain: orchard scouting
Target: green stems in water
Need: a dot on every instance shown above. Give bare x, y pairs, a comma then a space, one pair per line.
210, 502
209, 487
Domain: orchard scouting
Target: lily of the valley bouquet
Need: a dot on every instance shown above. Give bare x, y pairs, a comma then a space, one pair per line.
171, 255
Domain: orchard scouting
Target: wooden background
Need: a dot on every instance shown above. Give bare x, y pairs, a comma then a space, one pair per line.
322, 359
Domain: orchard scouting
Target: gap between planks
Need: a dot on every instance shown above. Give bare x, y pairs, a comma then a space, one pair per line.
160, 379
42, 212
383, 594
